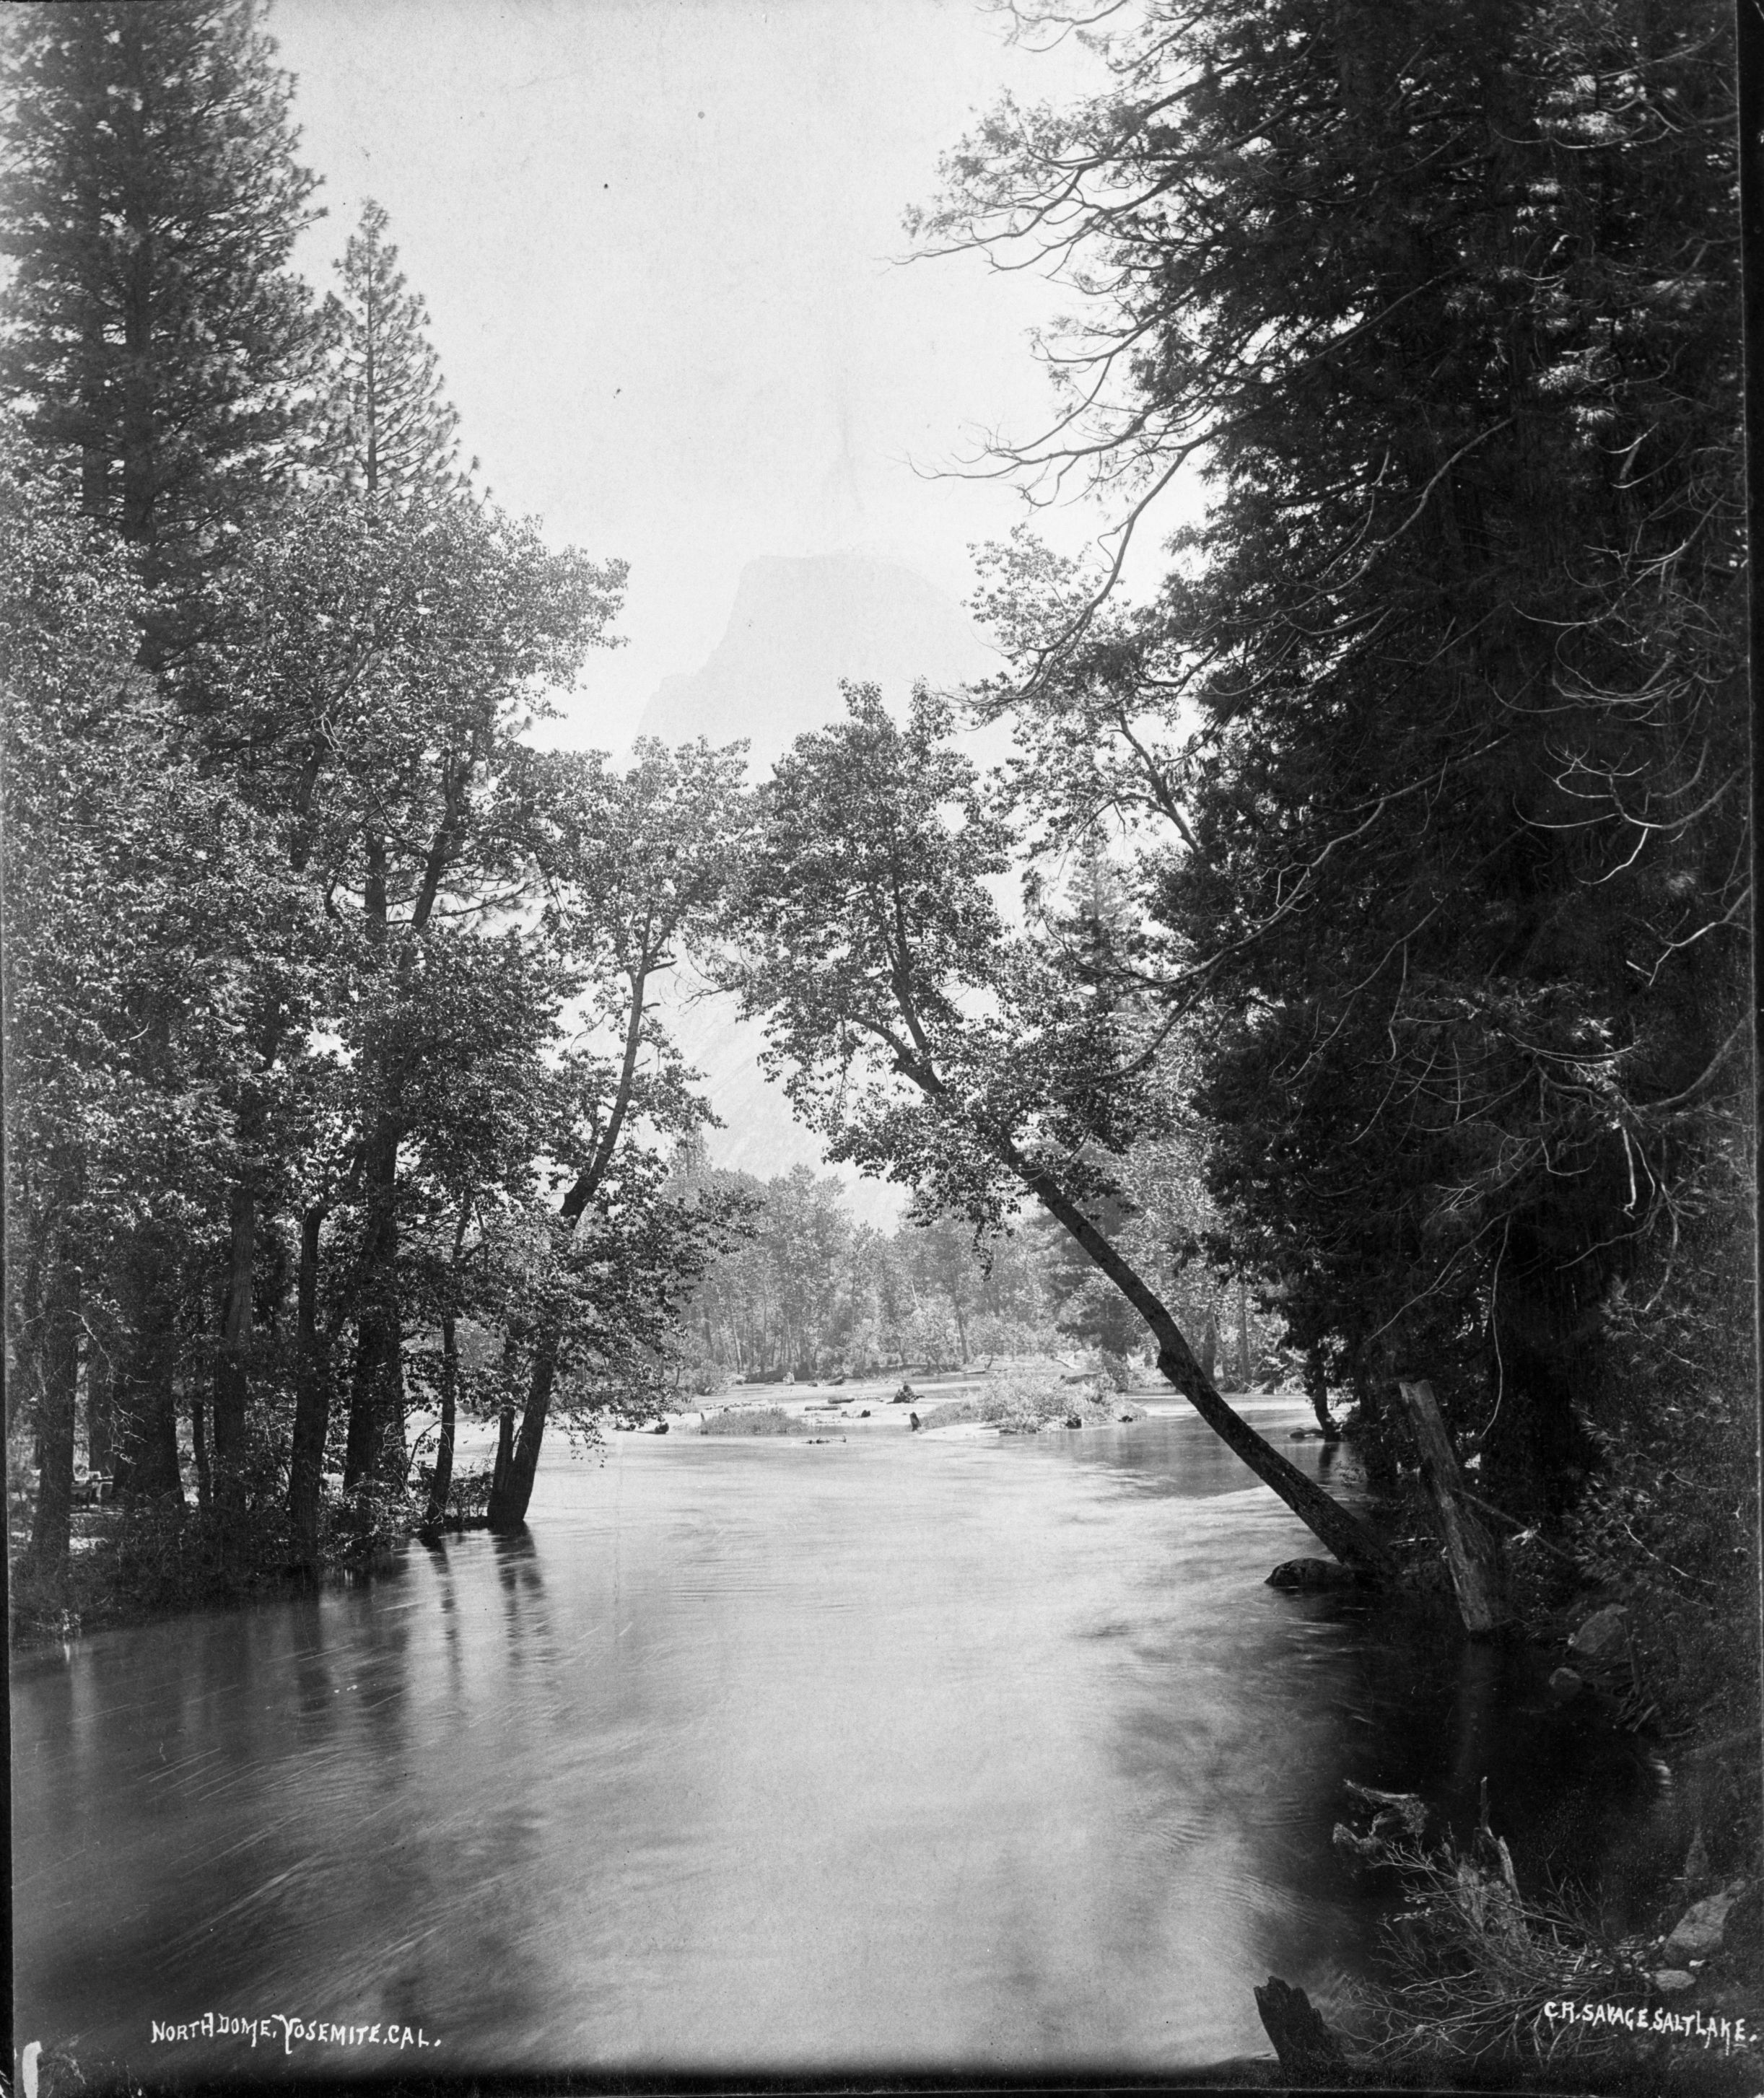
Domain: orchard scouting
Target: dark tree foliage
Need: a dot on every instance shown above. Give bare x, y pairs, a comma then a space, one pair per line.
156, 338
1445, 301
294, 940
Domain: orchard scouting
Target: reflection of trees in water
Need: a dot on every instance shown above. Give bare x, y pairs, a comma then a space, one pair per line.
526, 1620
447, 1613
1438, 1714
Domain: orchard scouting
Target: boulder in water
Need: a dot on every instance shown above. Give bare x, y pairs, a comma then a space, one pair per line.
1312, 1573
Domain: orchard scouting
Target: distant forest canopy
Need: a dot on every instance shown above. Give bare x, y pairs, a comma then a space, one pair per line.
812, 1293
1384, 909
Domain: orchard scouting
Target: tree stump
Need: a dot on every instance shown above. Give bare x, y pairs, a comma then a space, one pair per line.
1310, 2053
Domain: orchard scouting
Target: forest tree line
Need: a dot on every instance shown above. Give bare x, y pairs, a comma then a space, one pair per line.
1384, 910
809, 1292
330, 997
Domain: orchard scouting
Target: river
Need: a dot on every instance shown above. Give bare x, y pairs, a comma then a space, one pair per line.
892, 1751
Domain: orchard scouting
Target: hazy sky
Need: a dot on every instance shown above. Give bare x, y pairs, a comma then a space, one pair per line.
657, 239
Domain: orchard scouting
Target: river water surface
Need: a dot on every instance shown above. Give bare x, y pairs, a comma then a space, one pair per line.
895, 1751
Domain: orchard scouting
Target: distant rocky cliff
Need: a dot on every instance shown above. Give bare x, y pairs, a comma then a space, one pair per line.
800, 626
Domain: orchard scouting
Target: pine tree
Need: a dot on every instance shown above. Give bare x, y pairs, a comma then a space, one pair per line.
392, 429
155, 339
1438, 720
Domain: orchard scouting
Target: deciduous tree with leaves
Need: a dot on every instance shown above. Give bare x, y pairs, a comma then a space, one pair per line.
638, 866
929, 1045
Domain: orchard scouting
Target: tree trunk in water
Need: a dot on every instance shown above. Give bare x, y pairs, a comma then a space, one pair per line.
499, 1485
230, 1368
1352, 1541
312, 1398
511, 1488
442, 1485
148, 1469
59, 1389
1472, 1554
1343, 1532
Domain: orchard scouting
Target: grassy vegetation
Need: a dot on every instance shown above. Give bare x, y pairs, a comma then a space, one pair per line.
1480, 1980
1023, 1402
754, 1420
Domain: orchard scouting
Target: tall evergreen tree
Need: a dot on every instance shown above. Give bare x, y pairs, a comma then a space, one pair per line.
1447, 300
156, 339
391, 430
160, 351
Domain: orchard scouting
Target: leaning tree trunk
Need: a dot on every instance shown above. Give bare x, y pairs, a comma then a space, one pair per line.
1352, 1540
1472, 1557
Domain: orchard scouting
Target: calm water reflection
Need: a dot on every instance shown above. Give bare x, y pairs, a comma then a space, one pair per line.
887, 1752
